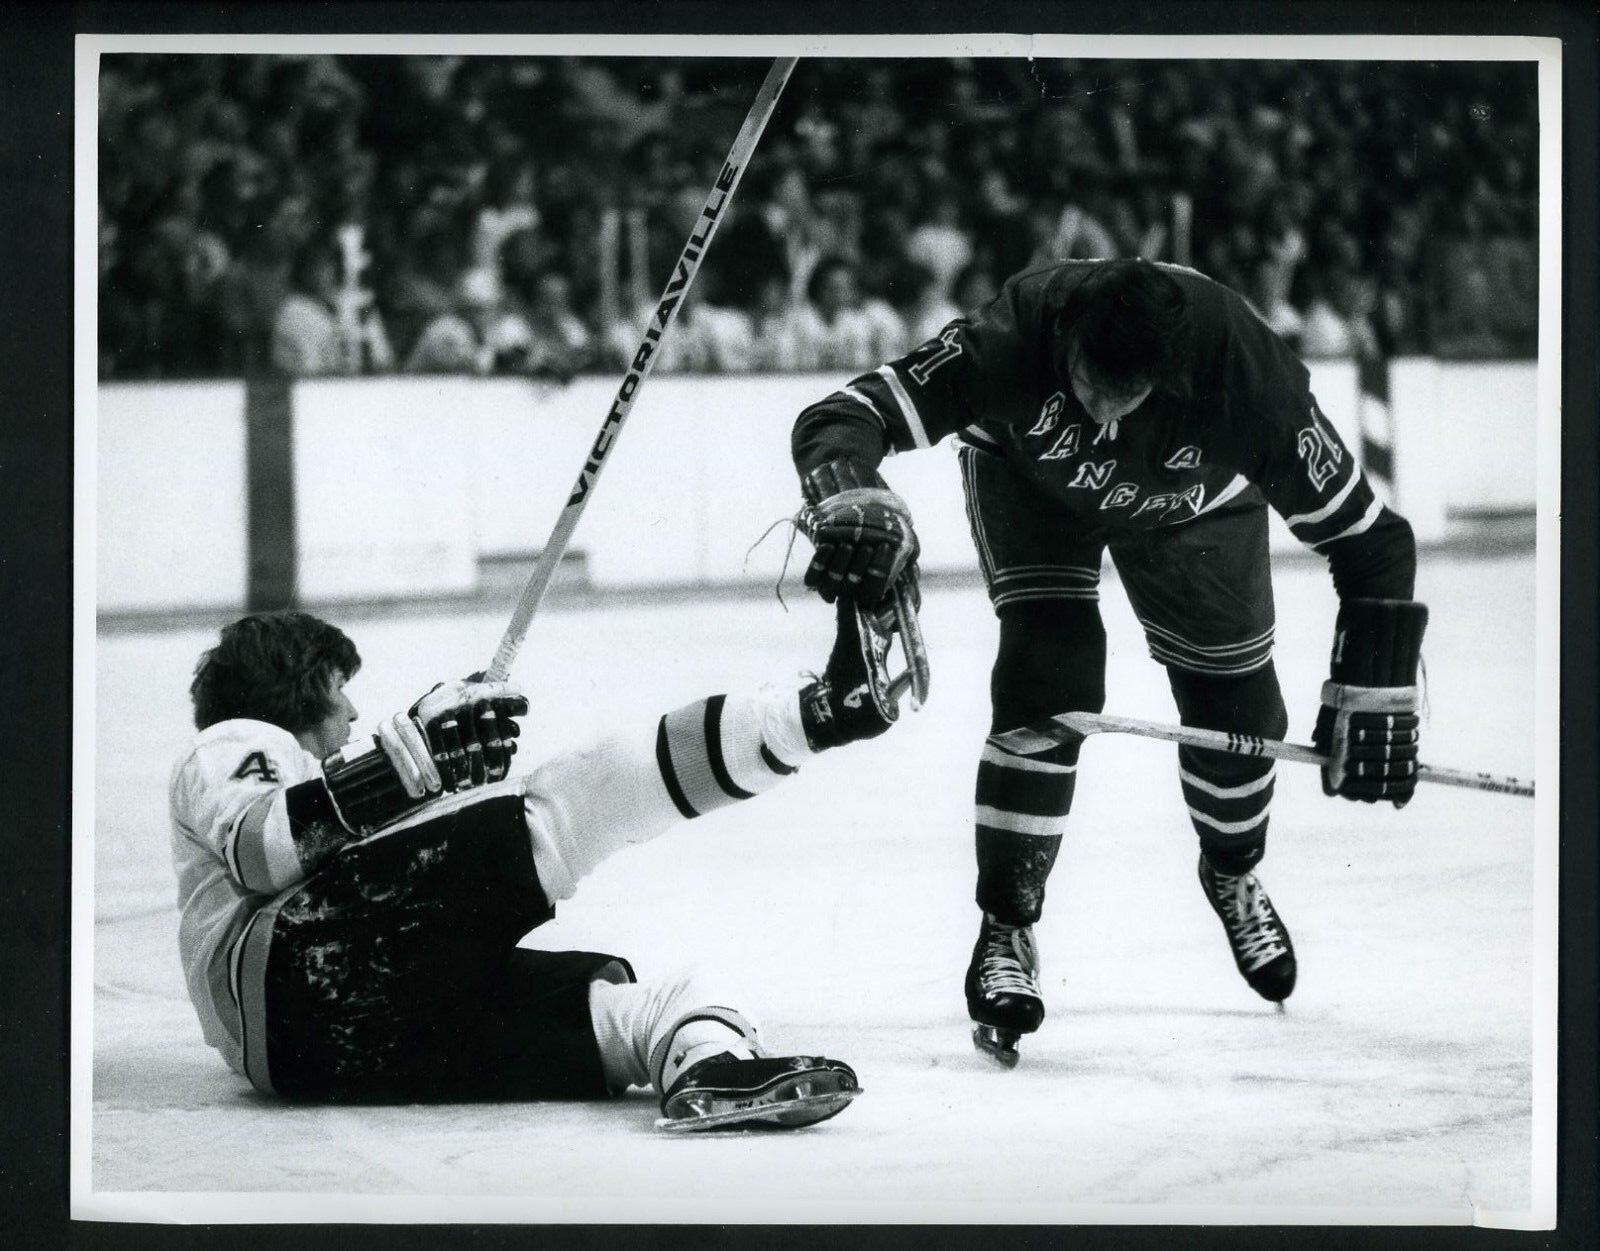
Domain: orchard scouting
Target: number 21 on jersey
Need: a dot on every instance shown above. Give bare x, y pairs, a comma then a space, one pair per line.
936, 352
1320, 451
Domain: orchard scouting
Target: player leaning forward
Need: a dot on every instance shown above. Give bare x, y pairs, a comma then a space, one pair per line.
352, 911
1145, 409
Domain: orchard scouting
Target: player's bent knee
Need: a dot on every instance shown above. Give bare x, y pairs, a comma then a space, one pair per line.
1249, 703
1052, 658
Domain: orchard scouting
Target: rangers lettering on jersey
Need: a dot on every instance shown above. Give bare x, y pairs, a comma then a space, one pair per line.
1171, 503
1229, 430
1049, 414
1093, 475
1066, 445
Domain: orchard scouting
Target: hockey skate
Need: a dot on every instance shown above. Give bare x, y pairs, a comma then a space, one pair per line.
768, 1092
852, 700
1003, 996
1260, 941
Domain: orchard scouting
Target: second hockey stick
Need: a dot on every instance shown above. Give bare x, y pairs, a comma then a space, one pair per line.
761, 110
1070, 727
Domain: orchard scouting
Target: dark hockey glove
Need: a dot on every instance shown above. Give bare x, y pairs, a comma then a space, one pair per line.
472, 729
1368, 722
862, 533
459, 735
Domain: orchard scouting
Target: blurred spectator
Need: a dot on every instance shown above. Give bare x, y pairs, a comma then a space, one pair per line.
704, 338
423, 288
928, 310
939, 244
1337, 320
306, 339
559, 344
1404, 194
1068, 233
839, 332
779, 340
1268, 292
450, 343
247, 298
975, 286
508, 208
325, 326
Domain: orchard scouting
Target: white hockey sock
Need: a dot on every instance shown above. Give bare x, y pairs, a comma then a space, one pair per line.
585, 805
720, 750
648, 1033
781, 726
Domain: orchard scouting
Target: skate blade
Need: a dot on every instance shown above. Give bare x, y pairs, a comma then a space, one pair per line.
788, 1114
915, 677
1000, 1045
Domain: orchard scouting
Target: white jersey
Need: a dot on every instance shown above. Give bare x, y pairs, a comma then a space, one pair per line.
580, 807
224, 875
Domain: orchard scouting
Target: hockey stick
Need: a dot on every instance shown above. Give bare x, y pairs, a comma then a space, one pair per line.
1069, 727
761, 109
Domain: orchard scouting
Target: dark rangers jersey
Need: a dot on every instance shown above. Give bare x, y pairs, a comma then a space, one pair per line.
1236, 424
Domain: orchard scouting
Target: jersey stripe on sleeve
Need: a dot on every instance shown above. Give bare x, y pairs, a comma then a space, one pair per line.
912, 419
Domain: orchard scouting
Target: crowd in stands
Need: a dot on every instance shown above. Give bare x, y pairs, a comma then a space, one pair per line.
328, 215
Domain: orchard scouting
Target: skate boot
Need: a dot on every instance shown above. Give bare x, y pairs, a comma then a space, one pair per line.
851, 700
770, 1092
1260, 941
1003, 989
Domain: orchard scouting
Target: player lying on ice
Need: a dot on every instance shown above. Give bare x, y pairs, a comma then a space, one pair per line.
351, 912
1144, 409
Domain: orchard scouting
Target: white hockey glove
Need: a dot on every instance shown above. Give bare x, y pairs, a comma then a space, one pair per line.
459, 735
1368, 722
862, 531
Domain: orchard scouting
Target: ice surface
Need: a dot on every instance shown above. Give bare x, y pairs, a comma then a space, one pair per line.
1398, 1086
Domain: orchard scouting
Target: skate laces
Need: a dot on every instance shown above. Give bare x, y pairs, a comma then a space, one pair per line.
1250, 920
1010, 962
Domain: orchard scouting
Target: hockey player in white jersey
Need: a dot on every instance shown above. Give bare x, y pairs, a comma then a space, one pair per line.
351, 912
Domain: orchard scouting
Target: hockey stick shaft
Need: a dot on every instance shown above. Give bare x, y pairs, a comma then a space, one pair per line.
1071, 726
683, 274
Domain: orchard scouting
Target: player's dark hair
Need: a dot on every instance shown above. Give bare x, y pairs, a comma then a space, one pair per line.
1127, 320
277, 667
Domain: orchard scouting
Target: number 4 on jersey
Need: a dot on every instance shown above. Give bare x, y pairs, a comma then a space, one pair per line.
256, 764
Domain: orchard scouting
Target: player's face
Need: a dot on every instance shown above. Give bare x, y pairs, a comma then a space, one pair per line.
333, 731
1104, 405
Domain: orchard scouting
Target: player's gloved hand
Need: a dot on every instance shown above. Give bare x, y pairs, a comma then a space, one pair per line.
471, 729
863, 535
459, 735
1368, 721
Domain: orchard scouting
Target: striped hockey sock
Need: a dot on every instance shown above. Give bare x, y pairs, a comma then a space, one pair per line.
720, 750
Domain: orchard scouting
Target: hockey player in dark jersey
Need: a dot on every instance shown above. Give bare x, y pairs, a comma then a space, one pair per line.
352, 911
1146, 410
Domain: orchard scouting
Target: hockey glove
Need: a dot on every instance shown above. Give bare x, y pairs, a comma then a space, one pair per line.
862, 533
1368, 722
459, 735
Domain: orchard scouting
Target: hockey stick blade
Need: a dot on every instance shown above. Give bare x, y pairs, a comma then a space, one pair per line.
643, 360
1069, 727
